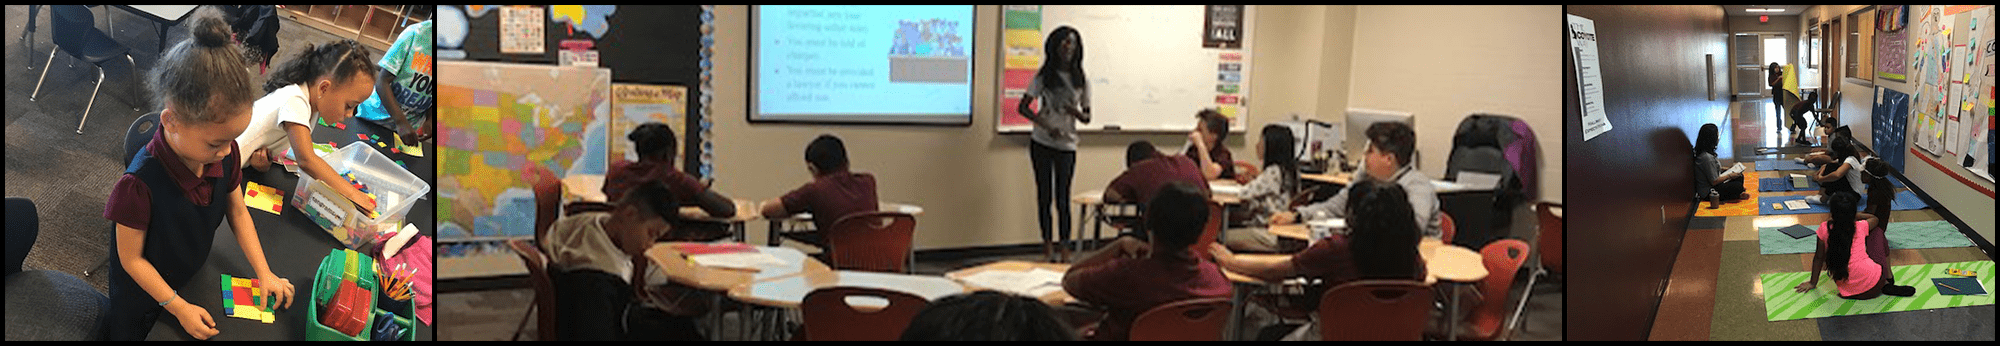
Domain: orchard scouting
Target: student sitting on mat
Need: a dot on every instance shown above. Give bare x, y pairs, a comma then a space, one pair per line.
657, 148
1857, 256
1714, 184
1390, 146
329, 80
1382, 245
833, 193
987, 316
1130, 276
1268, 194
1206, 147
180, 188
1840, 176
597, 263
1881, 192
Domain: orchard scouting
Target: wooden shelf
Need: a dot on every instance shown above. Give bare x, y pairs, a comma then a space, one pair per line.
375, 26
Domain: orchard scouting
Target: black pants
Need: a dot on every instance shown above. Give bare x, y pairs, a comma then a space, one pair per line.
1730, 190
590, 305
1054, 168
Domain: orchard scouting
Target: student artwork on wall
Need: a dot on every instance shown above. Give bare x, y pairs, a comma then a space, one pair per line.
1888, 121
1892, 42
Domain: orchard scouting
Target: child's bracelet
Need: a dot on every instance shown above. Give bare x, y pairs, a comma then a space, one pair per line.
177, 294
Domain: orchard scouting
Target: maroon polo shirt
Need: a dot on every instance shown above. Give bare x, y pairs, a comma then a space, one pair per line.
624, 175
1126, 287
1143, 180
832, 196
1332, 261
130, 203
1220, 155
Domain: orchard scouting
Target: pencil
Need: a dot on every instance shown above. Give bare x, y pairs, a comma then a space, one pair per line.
1953, 289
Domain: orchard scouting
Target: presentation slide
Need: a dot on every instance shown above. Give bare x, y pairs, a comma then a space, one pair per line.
882, 64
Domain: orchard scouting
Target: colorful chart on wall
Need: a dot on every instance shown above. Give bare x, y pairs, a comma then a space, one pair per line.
636, 104
496, 119
1147, 67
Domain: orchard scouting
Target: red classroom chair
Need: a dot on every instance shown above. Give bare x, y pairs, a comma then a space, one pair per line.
1368, 310
1450, 227
1200, 319
874, 241
828, 317
1503, 258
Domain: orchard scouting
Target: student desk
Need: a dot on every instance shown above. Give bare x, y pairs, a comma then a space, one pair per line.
1341, 178
790, 291
293, 246
746, 211
164, 16
797, 221
679, 269
1056, 298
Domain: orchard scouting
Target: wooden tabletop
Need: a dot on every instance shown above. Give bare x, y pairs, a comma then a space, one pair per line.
1443, 261
1058, 297
746, 210
681, 270
787, 292
1096, 197
1342, 178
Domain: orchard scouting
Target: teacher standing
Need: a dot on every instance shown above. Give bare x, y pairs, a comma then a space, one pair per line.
1065, 96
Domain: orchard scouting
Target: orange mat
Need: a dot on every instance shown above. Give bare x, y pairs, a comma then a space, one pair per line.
1744, 207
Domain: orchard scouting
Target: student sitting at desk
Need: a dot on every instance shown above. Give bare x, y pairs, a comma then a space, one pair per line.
1382, 245
596, 258
657, 146
834, 192
1130, 276
1206, 145
1146, 171
1390, 145
1269, 194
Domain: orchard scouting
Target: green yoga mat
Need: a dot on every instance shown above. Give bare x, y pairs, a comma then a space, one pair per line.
1902, 235
1782, 304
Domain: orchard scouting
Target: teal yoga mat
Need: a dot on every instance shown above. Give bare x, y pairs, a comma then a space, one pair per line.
1782, 304
1902, 235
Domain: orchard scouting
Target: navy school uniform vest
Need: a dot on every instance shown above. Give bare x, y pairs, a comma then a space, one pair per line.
178, 239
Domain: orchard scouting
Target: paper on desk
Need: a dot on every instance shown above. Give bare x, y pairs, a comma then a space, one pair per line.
1226, 189
1478, 180
412, 150
1033, 283
739, 260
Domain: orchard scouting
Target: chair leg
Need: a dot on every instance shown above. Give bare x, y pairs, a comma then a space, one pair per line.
45, 76
137, 93
524, 324
93, 100
105, 264
1528, 292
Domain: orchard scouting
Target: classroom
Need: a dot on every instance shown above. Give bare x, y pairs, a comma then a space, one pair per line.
82, 150
544, 112
1780, 119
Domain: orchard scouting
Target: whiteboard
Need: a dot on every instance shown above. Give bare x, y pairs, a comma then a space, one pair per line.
1146, 65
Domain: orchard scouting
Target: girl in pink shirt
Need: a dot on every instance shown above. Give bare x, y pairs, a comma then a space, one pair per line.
1858, 255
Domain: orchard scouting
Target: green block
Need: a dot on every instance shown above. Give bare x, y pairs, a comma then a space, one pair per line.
1226, 88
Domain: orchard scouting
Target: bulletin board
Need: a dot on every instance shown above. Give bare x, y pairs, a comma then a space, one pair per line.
1952, 92
1150, 68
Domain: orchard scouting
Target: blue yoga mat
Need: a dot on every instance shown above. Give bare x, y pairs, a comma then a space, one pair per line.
1783, 184
1905, 200
1781, 165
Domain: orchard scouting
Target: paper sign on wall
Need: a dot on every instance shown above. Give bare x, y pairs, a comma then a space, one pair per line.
1583, 47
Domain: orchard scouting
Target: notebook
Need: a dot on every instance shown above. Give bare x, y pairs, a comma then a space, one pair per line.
1958, 286
1796, 205
1798, 181
1797, 231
